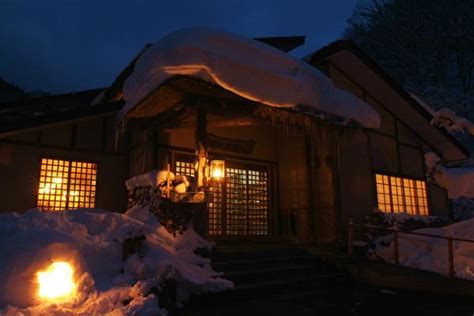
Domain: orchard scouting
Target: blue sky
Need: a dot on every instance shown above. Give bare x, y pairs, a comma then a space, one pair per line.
70, 45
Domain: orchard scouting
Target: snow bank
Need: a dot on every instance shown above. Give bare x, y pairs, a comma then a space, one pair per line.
458, 181
432, 253
92, 241
244, 66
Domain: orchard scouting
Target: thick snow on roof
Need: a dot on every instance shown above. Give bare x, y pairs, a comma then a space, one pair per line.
244, 66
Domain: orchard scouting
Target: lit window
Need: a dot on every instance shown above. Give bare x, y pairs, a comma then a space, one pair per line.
66, 185
401, 195
185, 168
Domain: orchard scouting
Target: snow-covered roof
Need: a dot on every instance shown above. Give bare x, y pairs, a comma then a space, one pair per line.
244, 66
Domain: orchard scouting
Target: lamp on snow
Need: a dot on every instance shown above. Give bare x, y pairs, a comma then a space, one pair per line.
57, 283
217, 169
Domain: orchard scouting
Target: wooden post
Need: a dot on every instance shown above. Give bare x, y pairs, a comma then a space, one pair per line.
396, 254
350, 237
201, 148
168, 181
451, 257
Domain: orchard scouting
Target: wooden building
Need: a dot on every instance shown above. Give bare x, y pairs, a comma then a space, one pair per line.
289, 175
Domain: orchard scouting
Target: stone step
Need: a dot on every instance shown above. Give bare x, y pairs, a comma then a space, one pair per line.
270, 274
295, 303
321, 289
274, 272
252, 263
255, 252
271, 288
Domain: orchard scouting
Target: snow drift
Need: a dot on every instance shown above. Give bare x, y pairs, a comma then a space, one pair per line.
432, 253
245, 67
92, 241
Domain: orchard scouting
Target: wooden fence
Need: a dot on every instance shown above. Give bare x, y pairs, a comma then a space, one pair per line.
396, 248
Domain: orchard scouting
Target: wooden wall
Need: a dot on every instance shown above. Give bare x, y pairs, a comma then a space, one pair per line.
90, 139
283, 150
394, 148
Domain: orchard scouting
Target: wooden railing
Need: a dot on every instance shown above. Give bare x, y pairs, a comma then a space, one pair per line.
396, 248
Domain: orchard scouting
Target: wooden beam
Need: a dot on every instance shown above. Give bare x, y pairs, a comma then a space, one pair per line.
201, 148
236, 122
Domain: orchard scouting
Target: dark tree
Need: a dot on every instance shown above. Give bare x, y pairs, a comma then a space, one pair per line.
10, 92
426, 45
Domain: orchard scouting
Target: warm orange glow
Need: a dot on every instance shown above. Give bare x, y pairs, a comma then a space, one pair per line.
57, 282
66, 184
397, 195
217, 169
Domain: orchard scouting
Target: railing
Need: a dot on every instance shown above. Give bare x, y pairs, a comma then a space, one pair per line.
396, 250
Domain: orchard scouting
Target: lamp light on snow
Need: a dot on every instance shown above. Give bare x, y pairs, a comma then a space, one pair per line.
57, 282
217, 169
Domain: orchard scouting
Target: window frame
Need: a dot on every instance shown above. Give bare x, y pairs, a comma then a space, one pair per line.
70, 160
404, 204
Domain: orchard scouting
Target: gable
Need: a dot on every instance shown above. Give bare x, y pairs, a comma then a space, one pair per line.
352, 70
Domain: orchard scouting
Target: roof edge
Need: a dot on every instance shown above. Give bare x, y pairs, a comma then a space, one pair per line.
61, 117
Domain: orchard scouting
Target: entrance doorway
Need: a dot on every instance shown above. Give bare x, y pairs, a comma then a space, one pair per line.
240, 205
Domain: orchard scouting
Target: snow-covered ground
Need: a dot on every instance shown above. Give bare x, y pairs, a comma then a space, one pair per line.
245, 67
432, 253
91, 240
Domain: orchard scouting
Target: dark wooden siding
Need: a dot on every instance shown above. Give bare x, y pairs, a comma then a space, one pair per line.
394, 148
83, 140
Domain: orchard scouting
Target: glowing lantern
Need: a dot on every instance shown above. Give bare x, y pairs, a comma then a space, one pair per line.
57, 282
217, 169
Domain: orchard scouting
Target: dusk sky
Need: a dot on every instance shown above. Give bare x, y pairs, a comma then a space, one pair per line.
70, 45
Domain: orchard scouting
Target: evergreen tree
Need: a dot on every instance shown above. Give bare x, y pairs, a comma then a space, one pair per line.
10, 92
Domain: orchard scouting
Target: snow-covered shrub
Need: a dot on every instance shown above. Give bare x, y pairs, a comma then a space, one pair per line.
176, 217
463, 208
167, 201
373, 231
